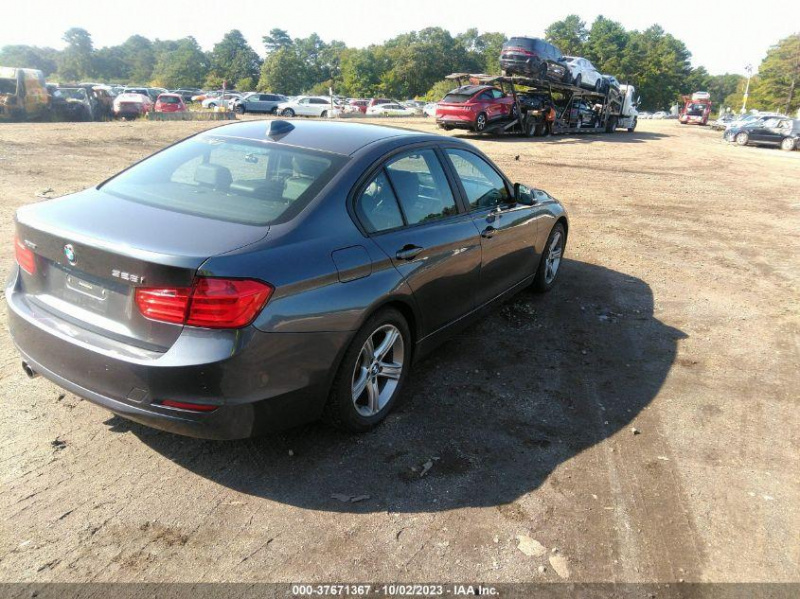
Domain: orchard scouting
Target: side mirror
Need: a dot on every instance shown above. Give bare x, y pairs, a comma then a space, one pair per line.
523, 195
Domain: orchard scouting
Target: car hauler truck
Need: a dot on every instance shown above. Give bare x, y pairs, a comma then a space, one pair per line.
578, 110
696, 109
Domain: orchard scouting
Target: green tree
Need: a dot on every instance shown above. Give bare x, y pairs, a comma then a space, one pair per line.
277, 39
568, 35
779, 76
492, 44
139, 55
184, 65
30, 57
439, 90
75, 62
233, 59
721, 87
606, 44
108, 64
362, 70
283, 72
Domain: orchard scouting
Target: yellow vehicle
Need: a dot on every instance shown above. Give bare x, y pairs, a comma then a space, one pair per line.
23, 94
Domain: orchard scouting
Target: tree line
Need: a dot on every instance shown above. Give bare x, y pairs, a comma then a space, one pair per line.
409, 65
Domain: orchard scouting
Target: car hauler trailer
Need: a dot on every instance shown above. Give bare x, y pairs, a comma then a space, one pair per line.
578, 110
696, 109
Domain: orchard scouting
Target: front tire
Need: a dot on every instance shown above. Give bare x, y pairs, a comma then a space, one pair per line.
742, 138
577, 81
550, 263
632, 128
240, 109
372, 373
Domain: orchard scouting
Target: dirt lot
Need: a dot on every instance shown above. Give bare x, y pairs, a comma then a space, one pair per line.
677, 314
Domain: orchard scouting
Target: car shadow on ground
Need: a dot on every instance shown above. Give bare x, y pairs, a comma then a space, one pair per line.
486, 418
623, 137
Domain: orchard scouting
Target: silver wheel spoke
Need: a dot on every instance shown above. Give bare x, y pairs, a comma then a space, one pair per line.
374, 396
360, 384
386, 344
390, 370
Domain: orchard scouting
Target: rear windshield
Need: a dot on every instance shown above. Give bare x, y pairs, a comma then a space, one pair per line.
170, 100
457, 98
8, 86
241, 181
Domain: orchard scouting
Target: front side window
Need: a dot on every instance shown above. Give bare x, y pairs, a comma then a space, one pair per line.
216, 177
484, 187
421, 187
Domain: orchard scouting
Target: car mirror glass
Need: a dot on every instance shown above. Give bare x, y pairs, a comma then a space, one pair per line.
523, 194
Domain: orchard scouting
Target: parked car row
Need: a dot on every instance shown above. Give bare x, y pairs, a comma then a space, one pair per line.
764, 130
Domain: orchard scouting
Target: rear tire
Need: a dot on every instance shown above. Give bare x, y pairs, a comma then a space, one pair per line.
632, 128
598, 85
788, 144
480, 123
742, 138
550, 262
324, 114
287, 112
357, 402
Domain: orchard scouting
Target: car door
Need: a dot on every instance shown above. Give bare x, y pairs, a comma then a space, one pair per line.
410, 210
508, 230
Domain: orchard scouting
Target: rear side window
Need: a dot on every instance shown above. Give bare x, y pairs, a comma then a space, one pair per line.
421, 187
211, 176
484, 187
377, 206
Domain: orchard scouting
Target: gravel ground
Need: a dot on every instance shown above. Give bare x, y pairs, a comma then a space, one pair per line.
639, 423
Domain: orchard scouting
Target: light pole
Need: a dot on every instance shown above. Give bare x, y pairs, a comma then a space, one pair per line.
749, 69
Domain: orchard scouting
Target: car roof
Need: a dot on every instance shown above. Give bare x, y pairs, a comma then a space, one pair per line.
337, 137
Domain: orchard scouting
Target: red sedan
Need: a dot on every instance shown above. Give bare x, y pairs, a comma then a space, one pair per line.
170, 103
474, 107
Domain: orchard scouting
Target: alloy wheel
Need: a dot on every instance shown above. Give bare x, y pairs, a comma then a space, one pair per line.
553, 260
378, 370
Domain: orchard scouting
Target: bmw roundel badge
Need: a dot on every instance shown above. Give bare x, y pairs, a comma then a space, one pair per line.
69, 252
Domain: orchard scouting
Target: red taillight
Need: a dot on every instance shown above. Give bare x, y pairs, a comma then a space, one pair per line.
25, 257
210, 303
185, 405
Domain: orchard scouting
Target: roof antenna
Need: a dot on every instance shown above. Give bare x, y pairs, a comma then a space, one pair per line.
278, 128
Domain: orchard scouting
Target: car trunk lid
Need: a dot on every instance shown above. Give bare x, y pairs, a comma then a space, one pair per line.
93, 250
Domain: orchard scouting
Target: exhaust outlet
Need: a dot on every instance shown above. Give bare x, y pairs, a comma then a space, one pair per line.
32, 374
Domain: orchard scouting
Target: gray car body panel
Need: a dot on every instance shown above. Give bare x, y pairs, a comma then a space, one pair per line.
329, 276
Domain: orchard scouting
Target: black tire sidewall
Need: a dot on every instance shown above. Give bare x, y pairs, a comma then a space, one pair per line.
339, 410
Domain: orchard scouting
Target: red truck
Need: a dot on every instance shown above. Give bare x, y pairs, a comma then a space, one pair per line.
696, 109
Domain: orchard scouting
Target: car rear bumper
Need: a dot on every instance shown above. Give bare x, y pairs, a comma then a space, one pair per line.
456, 120
257, 381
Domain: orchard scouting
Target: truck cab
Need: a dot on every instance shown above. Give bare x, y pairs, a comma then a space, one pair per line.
696, 109
628, 114
23, 94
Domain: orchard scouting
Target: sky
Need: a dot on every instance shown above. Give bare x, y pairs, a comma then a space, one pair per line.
721, 39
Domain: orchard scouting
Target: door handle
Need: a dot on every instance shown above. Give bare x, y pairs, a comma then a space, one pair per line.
409, 252
488, 232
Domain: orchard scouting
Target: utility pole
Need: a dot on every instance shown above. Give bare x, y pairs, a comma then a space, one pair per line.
749, 69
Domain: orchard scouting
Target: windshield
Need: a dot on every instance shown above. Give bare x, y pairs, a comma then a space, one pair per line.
8, 86
242, 181
74, 93
696, 109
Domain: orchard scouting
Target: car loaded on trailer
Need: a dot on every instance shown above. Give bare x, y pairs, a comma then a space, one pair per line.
520, 105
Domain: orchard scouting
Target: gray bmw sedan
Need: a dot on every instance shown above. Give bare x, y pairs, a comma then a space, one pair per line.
268, 273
